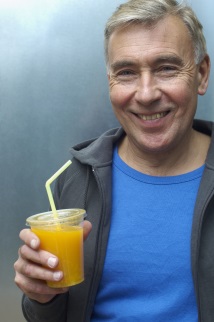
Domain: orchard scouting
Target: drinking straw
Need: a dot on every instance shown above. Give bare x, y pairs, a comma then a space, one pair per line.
48, 183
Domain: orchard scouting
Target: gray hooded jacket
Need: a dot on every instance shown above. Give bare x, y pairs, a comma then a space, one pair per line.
87, 184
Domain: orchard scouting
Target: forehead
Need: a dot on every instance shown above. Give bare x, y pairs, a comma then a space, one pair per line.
168, 36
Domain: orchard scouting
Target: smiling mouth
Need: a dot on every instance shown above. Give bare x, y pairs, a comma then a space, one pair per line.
153, 116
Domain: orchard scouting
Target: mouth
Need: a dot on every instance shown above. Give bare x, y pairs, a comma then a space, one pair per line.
152, 117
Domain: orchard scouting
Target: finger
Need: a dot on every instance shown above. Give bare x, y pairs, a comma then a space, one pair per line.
39, 256
37, 289
87, 227
35, 271
29, 238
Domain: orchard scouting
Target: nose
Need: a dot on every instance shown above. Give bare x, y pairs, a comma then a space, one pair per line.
147, 90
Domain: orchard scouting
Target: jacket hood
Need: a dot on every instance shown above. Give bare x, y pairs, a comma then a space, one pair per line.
90, 152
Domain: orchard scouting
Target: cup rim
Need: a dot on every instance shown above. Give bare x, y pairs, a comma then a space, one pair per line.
74, 215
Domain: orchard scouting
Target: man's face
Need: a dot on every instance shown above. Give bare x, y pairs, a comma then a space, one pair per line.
154, 83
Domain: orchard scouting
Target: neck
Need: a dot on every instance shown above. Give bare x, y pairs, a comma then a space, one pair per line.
185, 157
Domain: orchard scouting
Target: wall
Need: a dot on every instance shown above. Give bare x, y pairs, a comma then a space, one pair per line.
53, 94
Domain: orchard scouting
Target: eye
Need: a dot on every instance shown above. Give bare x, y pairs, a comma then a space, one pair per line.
125, 73
167, 71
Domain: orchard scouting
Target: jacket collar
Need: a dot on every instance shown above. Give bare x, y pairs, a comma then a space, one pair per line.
91, 151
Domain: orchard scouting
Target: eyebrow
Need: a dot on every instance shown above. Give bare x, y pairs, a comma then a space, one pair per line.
122, 63
172, 59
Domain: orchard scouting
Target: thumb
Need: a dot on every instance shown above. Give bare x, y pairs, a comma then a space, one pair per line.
87, 226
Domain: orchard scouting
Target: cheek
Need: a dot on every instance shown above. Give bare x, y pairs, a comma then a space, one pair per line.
187, 100
184, 96
120, 95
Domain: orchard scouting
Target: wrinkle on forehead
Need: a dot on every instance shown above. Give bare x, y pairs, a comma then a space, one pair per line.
169, 34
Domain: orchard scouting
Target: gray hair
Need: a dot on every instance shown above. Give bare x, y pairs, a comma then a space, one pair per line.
149, 12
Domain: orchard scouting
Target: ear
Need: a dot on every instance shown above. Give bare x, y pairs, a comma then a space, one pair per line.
203, 75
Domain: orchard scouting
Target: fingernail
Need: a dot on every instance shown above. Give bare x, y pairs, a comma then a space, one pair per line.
33, 243
57, 276
52, 262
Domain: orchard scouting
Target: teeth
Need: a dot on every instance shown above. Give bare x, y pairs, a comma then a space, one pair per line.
152, 117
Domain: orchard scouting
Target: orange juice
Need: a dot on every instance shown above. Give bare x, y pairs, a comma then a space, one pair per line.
66, 242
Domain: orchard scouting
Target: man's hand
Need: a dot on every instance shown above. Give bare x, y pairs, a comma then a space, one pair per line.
35, 266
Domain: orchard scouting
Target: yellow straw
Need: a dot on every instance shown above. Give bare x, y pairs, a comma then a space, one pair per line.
48, 183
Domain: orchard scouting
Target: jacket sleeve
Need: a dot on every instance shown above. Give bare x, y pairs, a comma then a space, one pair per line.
53, 311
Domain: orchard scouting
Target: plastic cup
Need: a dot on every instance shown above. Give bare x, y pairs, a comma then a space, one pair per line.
62, 237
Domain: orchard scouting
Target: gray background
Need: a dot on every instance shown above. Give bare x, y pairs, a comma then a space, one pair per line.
53, 94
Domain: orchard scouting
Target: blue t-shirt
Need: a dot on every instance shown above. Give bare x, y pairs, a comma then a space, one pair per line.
147, 272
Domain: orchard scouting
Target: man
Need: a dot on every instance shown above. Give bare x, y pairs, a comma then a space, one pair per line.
147, 187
